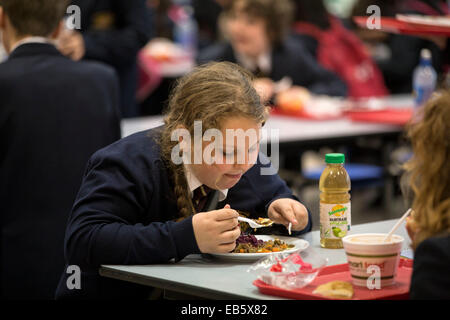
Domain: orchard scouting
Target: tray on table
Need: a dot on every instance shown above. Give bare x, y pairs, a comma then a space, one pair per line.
395, 25
398, 291
387, 116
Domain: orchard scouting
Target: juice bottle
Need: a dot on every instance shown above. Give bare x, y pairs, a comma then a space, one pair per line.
335, 210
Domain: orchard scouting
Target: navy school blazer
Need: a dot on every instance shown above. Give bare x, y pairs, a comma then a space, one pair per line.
430, 279
290, 58
54, 114
125, 210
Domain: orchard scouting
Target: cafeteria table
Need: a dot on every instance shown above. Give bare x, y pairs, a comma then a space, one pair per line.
292, 131
303, 130
204, 276
296, 135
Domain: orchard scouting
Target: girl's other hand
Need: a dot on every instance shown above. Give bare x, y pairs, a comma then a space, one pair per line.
216, 231
284, 211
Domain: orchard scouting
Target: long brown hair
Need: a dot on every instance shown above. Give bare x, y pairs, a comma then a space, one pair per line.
428, 171
210, 93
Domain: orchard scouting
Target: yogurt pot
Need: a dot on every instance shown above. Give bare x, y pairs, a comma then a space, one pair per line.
369, 256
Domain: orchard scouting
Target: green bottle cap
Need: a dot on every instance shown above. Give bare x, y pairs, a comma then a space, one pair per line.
334, 158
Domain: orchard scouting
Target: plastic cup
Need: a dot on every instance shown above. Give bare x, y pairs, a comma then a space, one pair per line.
371, 260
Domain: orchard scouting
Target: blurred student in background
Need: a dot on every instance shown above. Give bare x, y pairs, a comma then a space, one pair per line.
112, 31
397, 55
258, 40
429, 178
337, 49
54, 114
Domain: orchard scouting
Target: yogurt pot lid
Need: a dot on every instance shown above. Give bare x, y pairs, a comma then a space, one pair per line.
350, 239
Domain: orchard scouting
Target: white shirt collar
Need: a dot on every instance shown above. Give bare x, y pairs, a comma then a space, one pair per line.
263, 61
194, 183
31, 40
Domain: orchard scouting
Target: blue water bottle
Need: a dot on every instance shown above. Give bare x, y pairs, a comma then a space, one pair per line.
186, 30
424, 79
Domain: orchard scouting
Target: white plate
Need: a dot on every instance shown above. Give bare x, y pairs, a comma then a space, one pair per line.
300, 245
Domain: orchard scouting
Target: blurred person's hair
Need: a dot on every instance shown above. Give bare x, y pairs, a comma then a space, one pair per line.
313, 12
277, 15
211, 93
35, 17
428, 171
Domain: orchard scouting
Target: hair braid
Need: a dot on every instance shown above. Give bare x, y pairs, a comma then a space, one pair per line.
184, 202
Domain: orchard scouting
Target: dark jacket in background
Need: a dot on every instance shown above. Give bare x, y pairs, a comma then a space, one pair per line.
288, 59
207, 13
124, 214
431, 273
54, 114
405, 49
114, 31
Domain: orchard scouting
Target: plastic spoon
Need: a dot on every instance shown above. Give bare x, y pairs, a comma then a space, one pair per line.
253, 223
395, 227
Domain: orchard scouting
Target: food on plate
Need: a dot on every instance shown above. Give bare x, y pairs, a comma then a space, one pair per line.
250, 244
292, 100
335, 290
263, 221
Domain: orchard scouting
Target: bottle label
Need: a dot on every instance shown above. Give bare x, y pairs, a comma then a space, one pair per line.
422, 95
335, 220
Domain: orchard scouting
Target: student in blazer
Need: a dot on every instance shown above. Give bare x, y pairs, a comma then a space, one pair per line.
54, 114
113, 32
290, 59
136, 203
258, 39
